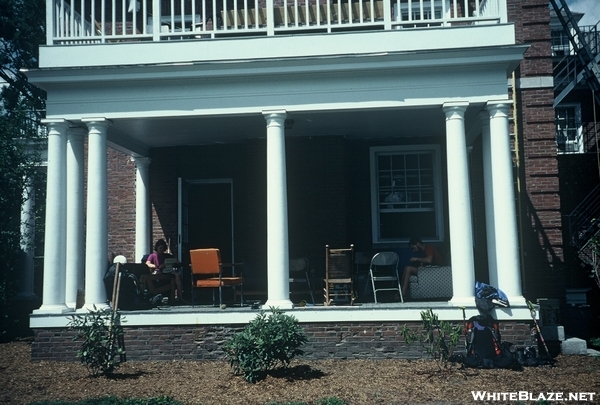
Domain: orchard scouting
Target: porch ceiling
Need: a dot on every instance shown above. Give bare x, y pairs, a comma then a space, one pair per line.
138, 135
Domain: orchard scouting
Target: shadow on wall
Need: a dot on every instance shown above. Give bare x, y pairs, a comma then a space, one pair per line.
543, 268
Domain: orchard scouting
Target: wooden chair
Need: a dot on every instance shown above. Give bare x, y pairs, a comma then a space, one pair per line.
207, 272
339, 275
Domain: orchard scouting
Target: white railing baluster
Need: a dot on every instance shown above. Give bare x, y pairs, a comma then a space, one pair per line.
224, 15
89, 21
172, 25
214, 10
182, 14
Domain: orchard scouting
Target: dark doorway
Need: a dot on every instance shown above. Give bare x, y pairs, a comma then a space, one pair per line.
209, 219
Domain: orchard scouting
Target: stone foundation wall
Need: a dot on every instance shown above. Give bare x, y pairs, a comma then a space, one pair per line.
376, 340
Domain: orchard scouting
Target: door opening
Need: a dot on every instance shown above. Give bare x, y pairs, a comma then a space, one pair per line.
206, 217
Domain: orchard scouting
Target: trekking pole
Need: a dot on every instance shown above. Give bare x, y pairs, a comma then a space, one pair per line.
465, 330
114, 314
114, 290
532, 311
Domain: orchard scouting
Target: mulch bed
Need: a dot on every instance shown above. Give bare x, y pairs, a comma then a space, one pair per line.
358, 382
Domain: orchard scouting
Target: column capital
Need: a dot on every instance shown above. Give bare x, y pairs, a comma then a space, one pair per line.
455, 109
274, 114
498, 107
56, 123
97, 122
141, 161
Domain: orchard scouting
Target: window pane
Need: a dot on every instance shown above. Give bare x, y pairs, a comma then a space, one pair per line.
426, 160
383, 163
412, 161
405, 225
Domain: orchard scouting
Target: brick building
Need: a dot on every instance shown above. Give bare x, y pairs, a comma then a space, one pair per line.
401, 121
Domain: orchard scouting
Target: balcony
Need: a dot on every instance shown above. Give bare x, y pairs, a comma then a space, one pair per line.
75, 22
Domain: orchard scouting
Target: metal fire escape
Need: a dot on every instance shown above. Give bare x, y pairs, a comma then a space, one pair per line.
584, 222
584, 66
583, 230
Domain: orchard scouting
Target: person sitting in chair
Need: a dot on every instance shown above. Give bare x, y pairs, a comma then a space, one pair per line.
428, 255
156, 264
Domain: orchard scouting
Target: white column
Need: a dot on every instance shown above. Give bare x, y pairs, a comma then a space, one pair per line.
96, 254
277, 214
459, 205
143, 244
27, 242
507, 275
490, 232
75, 215
53, 295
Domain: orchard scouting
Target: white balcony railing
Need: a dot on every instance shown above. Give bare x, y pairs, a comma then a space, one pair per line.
101, 21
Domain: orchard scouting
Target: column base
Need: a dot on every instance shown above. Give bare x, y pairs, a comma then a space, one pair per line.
52, 309
463, 301
517, 301
281, 304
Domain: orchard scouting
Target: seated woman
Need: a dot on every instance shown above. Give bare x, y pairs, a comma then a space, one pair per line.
156, 264
428, 255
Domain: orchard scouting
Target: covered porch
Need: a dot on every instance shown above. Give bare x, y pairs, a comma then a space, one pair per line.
161, 189
296, 131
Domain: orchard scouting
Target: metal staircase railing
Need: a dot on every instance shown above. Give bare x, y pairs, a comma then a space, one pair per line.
584, 221
590, 254
585, 56
583, 227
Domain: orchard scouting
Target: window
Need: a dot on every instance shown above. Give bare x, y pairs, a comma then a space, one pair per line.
568, 129
561, 45
418, 11
406, 193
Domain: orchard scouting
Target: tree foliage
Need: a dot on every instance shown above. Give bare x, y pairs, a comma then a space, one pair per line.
21, 108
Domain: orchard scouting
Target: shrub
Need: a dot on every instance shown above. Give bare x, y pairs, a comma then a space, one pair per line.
266, 342
439, 337
102, 349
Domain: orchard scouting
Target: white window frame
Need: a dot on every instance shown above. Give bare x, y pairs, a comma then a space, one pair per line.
437, 189
576, 145
420, 11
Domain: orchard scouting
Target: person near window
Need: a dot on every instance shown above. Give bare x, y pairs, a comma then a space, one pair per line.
156, 264
426, 255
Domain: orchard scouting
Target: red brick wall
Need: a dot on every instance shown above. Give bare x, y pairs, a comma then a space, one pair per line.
373, 340
121, 204
540, 219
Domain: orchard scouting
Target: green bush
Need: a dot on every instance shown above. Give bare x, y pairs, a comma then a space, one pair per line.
102, 349
266, 342
439, 337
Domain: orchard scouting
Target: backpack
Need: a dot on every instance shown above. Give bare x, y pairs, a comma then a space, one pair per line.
487, 297
130, 294
484, 345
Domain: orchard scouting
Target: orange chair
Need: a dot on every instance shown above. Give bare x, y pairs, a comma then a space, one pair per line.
207, 272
